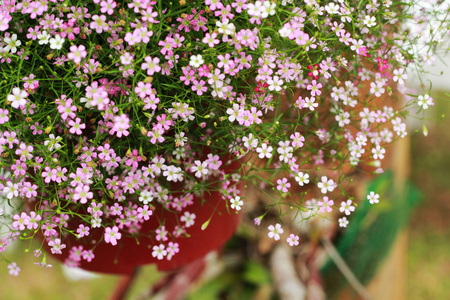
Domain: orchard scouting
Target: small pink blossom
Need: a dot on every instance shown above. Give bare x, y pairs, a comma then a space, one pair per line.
326, 205
77, 53
112, 235
293, 240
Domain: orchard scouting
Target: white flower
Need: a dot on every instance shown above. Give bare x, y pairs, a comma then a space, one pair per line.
373, 198
56, 42
43, 38
250, 142
159, 251
17, 98
236, 203
326, 185
302, 178
275, 231
146, 197
225, 27
425, 101
332, 8
378, 152
400, 76
343, 118
11, 190
173, 173
234, 112
52, 143
268, 9
370, 21
200, 168
347, 207
264, 151
196, 61
343, 222
256, 9
275, 83
11, 43
188, 218
96, 223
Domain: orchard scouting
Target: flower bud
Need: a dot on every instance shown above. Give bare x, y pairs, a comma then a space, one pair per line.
144, 131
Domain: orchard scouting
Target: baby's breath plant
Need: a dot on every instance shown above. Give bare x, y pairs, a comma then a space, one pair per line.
112, 110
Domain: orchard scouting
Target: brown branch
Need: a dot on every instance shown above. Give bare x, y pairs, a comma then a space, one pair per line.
124, 286
345, 270
285, 277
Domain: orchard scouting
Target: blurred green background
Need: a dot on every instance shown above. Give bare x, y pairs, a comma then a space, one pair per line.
429, 230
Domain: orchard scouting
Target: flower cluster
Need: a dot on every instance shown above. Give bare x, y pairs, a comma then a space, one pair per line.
112, 111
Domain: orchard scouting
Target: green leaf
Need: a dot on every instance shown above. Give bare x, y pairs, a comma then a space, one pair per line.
256, 273
205, 225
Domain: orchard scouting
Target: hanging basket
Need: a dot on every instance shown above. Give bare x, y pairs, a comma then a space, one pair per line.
134, 251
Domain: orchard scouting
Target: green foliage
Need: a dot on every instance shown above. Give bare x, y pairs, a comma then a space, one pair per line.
235, 282
371, 233
256, 273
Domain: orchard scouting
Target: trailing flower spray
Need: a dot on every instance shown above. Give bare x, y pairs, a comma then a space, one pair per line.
112, 110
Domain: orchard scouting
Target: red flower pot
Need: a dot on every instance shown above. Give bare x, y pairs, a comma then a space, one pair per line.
131, 252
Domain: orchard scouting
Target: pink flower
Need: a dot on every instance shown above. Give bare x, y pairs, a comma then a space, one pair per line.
19, 168
159, 251
105, 152
188, 218
143, 89
82, 193
108, 7
314, 87
4, 116
33, 220
100, 99
13, 269
76, 126
88, 255
151, 65
283, 185
293, 240
167, 46
239, 5
326, 205
56, 246
30, 83
25, 152
82, 231
172, 249
134, 159
67, 111
297, 140
77, 53
210, 39
161, 234
144, 212
94, 210
112, 235
29, 190
49, 229
99, 23
121, 124
20, 221
199, 87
